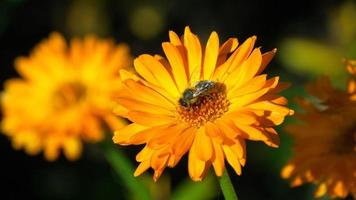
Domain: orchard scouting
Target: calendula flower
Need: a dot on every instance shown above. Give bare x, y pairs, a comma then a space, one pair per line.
205, 101
65, 95
325, 141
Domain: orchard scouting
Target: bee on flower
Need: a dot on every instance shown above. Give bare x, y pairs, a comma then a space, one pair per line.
204, 102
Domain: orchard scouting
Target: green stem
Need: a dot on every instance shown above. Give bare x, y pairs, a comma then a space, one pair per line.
124, 169
227, 187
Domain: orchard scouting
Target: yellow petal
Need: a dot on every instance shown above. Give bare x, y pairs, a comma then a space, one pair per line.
246, 71
142, 167
320, 191
146, 94
123, 135
143, 107
194, 52
202, 143
287, 171
177, 63
218, 158
196, 167
250, 86
234, 60
241, 117
154, 72
72, 148
241, 101
146, 135
182, 145
210, 56
232, 159
149, 119
174, 38
166, 136
144, 154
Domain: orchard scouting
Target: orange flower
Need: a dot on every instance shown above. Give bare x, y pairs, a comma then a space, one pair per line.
65, 95
325, 141
206, 102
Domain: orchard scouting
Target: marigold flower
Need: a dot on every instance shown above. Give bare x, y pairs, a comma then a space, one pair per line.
65, 95
205, 101
325, 141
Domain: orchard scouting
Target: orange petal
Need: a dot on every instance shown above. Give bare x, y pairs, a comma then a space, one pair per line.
246, 71
194, 52
154, 72
203, 146
123, 135
145, 94
166, 136
145, 135
232, 159
249, 87
149, 119
72, 148
141, 106
174, 38
142, 167
182, 145
177, 63
266, 59
218, 158
196, 167
234, 60
210, 56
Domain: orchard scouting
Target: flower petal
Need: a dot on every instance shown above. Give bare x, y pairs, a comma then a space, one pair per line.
194, 52
177, 63
202, 143
154, 72
196, 167
244, 72
210, 56
123, 135
218, 159
149, 119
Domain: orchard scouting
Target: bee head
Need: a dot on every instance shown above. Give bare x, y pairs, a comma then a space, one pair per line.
187, 97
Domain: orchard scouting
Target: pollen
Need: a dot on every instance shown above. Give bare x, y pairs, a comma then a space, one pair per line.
206, 108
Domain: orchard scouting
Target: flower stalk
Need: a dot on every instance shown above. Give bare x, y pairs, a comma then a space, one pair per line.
227, 187
124, 169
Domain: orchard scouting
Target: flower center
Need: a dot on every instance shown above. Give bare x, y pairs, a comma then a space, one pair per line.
68, 94
346, 143
205, 102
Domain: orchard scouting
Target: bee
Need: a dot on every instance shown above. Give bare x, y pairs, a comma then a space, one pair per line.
193, 95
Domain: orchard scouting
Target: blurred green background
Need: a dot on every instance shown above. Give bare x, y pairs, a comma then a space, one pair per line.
312, 38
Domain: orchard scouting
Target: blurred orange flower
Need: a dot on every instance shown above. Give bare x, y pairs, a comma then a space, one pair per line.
205, 101
325, 141
65, 95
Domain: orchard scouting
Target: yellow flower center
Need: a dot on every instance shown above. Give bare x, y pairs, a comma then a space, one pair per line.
203, 103
68, 94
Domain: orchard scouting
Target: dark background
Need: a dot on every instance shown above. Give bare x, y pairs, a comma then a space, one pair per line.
144, 25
